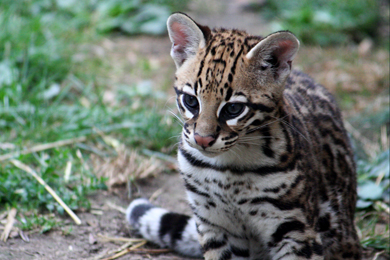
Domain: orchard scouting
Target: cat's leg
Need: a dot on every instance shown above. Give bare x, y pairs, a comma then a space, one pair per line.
342, 247
220, 244
292, 240
164, 228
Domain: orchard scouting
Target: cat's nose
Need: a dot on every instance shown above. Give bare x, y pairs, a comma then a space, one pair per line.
204, 141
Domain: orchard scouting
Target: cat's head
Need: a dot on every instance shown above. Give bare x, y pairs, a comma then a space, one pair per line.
228, 83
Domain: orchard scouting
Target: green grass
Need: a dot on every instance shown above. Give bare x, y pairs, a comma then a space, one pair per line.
37, 221
374, 228
373, 201
48, 94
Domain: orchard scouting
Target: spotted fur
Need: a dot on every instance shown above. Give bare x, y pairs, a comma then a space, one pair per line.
264, 155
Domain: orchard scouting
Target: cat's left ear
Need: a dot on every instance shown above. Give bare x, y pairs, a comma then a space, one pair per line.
275, 51
187, 37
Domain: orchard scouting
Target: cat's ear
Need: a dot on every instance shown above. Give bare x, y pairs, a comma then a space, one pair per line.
186, 37
276, 52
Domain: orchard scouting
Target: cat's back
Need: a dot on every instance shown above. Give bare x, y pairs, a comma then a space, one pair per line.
317, 122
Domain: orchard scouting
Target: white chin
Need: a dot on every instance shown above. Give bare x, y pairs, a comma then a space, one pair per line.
209, 153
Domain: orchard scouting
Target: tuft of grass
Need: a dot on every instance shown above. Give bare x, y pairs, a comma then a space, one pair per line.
41, 222
374, 230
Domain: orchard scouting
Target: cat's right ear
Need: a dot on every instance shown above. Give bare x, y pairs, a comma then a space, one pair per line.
186, 37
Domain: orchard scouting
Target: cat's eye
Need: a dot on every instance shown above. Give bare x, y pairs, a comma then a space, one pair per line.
191, 102
232, 110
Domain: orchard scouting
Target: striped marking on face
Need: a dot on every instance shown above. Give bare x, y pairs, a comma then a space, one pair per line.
233, 121
235, 99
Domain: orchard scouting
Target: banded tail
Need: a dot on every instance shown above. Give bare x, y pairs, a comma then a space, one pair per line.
164, 228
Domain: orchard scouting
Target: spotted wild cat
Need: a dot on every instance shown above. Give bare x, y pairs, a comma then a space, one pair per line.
264, 155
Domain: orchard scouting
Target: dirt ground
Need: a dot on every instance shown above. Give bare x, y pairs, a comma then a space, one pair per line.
83, 241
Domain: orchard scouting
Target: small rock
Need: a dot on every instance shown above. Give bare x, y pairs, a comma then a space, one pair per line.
365, 47
92, 240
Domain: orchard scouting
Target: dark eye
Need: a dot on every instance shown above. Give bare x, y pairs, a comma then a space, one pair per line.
232, 110
191, 102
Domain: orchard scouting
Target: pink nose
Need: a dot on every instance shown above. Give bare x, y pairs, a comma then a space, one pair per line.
204, 141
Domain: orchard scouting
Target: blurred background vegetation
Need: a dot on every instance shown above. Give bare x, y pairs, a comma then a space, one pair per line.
327, 22
63, 76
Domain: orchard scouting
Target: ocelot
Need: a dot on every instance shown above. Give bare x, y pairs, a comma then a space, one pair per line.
264, 155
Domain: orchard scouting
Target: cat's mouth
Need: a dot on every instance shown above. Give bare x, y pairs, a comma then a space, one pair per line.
208, 152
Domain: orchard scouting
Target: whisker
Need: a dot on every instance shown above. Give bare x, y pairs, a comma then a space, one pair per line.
238, 155
169, 99
248, 141
293, 128
252, 144
259, 127
176, 144
254, 138
180, 121
175, 136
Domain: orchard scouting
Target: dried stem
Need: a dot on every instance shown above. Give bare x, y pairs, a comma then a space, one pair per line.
9, 225
118, 208
42, 147
27, 169
120, 239
126, 250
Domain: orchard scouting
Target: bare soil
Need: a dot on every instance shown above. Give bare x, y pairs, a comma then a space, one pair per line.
83, 241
